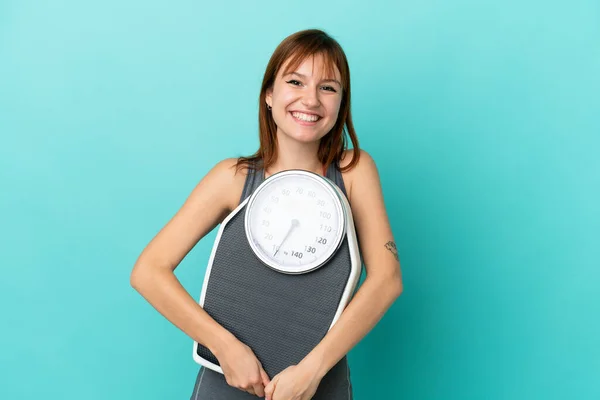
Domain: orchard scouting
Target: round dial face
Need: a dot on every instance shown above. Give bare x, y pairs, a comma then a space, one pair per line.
295, 221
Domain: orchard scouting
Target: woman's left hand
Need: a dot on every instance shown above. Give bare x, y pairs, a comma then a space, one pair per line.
297, 382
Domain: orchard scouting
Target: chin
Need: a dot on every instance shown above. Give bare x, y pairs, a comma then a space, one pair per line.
306, 137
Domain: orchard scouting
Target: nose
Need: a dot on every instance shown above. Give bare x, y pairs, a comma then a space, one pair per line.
311, 98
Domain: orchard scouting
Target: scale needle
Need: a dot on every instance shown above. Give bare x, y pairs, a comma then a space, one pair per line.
294, 224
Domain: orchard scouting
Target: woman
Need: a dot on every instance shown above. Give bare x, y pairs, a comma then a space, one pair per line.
304, 108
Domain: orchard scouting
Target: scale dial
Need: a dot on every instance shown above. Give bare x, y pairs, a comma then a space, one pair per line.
295, 221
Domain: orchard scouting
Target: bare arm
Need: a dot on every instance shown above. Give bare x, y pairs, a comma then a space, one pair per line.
153, 273
383, 283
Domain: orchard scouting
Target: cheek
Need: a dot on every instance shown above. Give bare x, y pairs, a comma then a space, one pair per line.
281, 104
334, 107
284, 97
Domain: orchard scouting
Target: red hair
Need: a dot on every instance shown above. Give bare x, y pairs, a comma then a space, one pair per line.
297, 48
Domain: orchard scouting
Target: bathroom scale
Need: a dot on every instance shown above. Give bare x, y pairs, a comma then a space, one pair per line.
284, 265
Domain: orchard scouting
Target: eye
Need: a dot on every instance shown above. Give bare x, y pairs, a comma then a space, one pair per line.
330, 88
292, 82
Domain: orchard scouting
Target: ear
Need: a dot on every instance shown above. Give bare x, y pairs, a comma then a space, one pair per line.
269, 97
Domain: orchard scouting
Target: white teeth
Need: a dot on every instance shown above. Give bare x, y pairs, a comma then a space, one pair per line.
305, 117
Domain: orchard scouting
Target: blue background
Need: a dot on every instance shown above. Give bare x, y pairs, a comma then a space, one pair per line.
482, 117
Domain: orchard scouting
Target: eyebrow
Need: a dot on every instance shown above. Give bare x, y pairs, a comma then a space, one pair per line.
304, 76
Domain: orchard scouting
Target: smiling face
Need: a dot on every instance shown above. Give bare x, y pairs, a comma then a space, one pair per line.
305, 101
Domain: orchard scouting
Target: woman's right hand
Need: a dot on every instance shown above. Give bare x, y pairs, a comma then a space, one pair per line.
242, 369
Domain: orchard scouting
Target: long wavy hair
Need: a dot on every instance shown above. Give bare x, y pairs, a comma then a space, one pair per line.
298, 47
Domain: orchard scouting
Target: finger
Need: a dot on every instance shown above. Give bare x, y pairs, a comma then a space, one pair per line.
265, 377
259, 390
270, 389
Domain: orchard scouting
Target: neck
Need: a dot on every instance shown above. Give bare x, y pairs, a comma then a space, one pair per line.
292, 154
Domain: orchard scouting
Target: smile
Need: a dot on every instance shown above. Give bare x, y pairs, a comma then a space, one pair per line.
305, 119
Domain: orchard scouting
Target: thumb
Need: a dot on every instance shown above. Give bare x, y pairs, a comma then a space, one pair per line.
270, 389
265, 377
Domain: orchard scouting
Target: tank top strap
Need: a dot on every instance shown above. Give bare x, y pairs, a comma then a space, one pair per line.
253, 180
255, 177
334, 174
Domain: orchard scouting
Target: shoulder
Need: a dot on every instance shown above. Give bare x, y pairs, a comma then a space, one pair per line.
364, 170
232, 180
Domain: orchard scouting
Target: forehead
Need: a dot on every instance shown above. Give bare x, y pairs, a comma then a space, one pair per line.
317, 65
